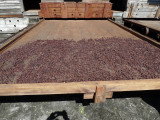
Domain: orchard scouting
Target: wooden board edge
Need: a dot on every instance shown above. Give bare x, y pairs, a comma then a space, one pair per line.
78, 87
137, 34
18, 35
10, 16
139, 24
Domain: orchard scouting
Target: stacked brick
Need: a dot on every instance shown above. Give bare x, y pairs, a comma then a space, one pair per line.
75, 10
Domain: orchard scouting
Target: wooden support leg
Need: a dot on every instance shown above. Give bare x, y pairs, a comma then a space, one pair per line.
157, 13
109, 94
88, 96
147, 31
100, 95
91, 95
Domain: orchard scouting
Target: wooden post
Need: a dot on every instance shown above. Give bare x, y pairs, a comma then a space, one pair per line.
157, 13
130, 11
100, 95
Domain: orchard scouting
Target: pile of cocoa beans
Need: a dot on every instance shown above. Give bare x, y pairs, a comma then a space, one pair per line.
86, 60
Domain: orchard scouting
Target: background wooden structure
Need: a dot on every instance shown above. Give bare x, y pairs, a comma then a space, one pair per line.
11, 8
75, 10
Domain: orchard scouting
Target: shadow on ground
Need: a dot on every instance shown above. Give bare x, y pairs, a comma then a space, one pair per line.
150, 97
55, 115
46, 98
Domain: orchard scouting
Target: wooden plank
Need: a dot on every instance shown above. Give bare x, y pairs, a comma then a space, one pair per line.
81, 5
98, 5
64, 11
54, 4
108, 13
81, 10
40, 14
9, 16
88, 11
56, 15
97, 9
100, 94
71, 10
78, 87
71, 15
55, 9
97, 14
133, 85
70, 4
80, 15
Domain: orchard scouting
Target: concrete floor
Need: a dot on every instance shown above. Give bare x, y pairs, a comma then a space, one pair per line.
125, 106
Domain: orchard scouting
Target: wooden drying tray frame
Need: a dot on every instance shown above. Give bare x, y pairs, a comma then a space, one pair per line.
10, 16
141, 25
97, 90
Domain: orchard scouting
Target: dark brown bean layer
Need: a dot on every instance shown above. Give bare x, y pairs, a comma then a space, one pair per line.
91, 60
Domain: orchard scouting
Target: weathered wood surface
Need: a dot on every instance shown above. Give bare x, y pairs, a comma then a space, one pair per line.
151, 24
52, 29
11, 7
139, 35
11, 16
13, 25
78, 87
141, 8
75, 10
100, 94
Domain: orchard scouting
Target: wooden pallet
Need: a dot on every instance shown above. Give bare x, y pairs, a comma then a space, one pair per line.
97, 90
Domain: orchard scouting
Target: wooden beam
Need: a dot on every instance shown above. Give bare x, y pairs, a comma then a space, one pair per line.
78, 87
100, 94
